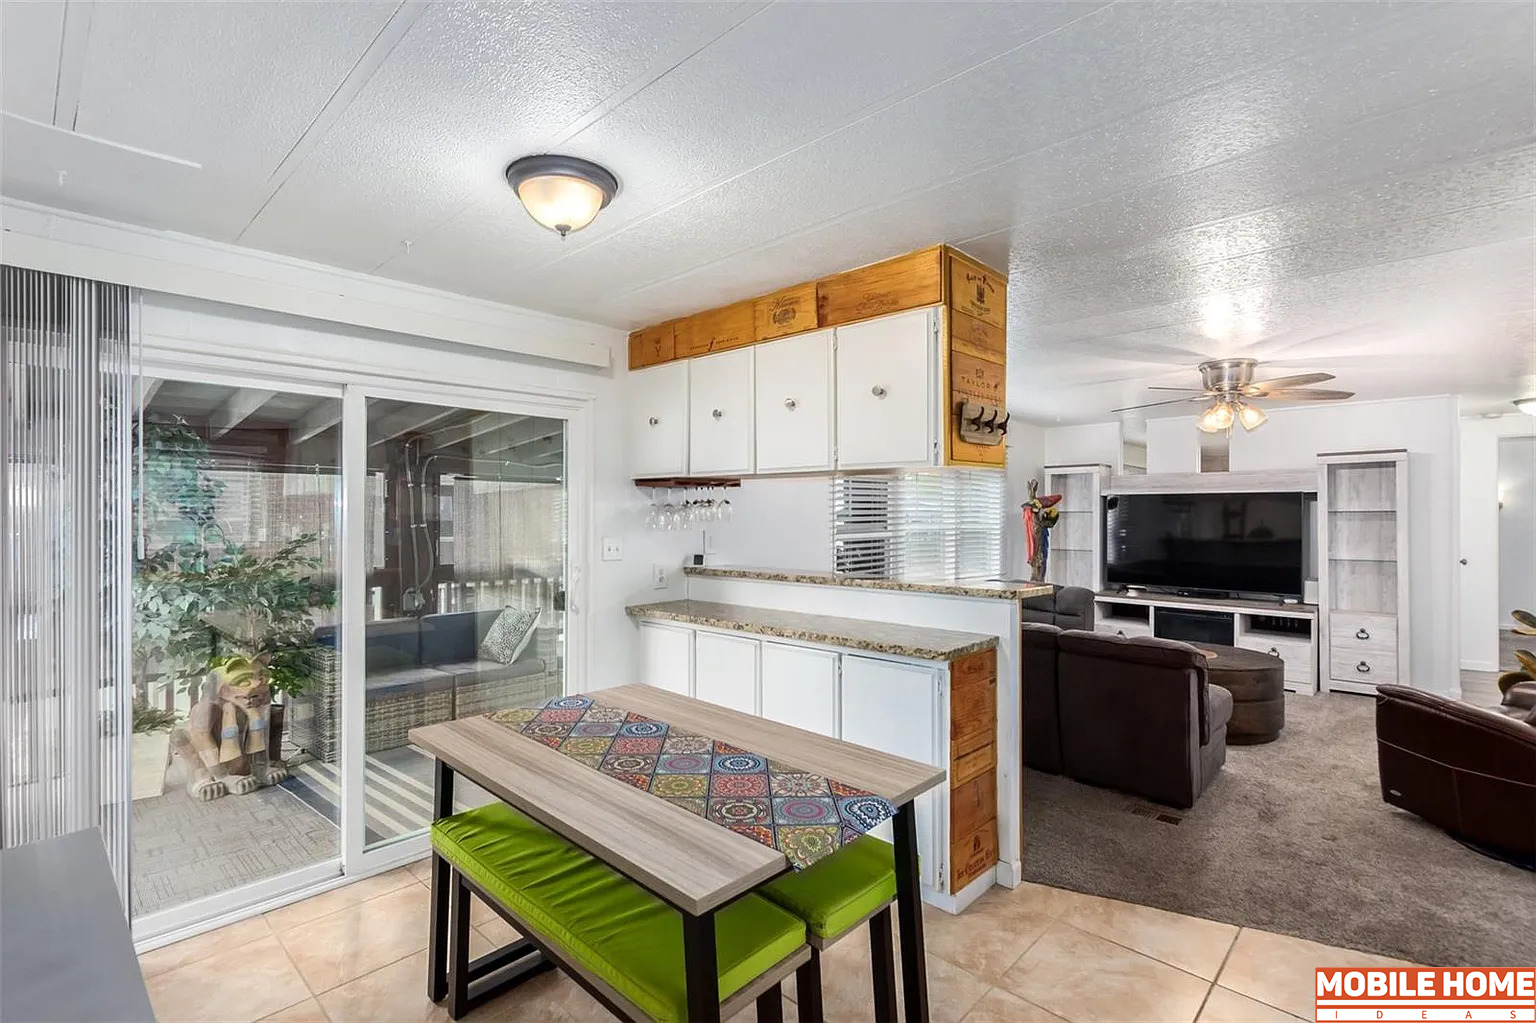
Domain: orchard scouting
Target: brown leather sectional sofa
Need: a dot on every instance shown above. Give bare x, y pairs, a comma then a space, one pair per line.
1136, 715
1468, 770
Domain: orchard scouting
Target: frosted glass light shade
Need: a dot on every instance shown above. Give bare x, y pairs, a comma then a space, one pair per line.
563, 193
1251, 416
1216, 418
1527, 405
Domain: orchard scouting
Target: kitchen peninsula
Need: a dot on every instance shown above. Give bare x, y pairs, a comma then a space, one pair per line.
924, 669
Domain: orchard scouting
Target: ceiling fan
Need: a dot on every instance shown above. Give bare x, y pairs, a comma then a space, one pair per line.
1231, 390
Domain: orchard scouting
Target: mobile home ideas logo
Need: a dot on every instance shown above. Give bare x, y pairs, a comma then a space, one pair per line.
1390, 996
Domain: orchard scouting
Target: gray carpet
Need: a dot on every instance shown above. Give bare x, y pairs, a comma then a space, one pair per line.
1292, 837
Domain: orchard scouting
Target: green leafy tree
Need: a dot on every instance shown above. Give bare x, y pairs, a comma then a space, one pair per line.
201, 599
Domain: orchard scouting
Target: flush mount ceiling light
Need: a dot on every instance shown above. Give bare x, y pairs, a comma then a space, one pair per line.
1526, 405
564, 193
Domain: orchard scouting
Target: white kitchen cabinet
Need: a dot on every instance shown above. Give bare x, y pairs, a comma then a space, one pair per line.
658, 420
720, 428
725, 670
793, 386
799, 686
666, 657
895, 707
886, 385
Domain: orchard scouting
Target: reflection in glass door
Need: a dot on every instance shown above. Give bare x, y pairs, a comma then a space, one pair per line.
464, 520
236, 500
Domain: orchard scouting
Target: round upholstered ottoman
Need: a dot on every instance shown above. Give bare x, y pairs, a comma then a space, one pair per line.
1257, 684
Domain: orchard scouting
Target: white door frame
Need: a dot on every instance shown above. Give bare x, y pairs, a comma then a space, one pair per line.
353, 380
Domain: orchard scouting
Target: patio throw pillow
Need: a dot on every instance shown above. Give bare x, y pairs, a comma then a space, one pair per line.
509, 634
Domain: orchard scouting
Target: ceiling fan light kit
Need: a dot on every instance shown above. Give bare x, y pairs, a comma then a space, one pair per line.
563, 193
1229, 386
1526, 405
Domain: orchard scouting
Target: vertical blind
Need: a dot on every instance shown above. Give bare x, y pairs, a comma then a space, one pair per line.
65, 712
919, 525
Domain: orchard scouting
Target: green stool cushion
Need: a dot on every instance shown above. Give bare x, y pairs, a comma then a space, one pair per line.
837, 892
611, 926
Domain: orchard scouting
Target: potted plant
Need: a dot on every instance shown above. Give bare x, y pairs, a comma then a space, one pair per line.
201, 599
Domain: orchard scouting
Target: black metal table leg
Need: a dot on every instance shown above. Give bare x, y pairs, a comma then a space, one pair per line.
909, 914
882, 961
437, 938
808, 989
699, 968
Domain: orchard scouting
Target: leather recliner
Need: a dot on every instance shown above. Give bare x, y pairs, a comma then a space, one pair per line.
1139, 715
1067, 607
1468, 770
1037, 691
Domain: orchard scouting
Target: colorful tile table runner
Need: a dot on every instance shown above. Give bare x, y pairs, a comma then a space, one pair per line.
803, 815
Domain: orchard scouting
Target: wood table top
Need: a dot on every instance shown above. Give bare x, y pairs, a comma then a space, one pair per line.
690, 861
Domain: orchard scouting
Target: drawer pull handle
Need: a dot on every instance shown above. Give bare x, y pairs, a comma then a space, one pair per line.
790, 403
1362, 634
654, 421
1273, 652
877, 391
1363, 668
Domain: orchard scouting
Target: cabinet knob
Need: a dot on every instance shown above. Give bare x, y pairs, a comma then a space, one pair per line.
717, 413
877, 391
1362, 634
1274, 652
1363, 668
654, 421
1121, 632
790, 403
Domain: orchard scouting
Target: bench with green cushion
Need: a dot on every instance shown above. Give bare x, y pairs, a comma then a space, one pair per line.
835, 895
604, 925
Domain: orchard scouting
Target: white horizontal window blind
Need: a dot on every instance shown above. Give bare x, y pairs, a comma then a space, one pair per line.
919, 525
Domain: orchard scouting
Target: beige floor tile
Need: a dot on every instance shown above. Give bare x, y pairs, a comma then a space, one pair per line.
480, 912
548, 998
1085, 978
357, 940
1224, 1006
497, 932
396, 993
339, 898
999, 1006
989, 937
847, 983
234, 935
1279, 970
1043, 899
233, 986
1193, 945
422, 869
307, 1011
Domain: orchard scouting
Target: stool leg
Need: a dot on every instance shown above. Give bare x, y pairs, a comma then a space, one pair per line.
770, 1006
700, 972
882, 961
458, 948
437, 935
808, 989
909, 914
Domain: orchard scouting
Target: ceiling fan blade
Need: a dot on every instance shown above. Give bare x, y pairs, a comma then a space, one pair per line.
1155, 404
1186, 390
1264, 387
1308, 395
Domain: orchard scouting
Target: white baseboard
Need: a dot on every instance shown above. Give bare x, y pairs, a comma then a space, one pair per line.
956, 904
1479, 666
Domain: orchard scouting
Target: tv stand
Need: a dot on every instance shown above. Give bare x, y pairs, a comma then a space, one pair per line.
1288, 631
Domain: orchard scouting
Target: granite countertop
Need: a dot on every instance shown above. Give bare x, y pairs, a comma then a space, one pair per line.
1001, 589
856, 633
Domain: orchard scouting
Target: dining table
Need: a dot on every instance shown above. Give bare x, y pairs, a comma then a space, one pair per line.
691, 863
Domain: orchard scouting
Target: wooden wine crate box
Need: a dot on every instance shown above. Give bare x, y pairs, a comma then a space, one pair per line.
716, 330
785, 312
653, 345
906, 282
972, 767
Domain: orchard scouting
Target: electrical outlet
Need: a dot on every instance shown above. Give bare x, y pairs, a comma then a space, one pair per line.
612, 550
658, 577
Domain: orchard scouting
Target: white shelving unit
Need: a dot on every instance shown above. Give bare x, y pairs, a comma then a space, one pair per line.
1077, 556
1362, 569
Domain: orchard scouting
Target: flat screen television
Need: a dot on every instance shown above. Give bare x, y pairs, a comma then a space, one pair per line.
1224, 543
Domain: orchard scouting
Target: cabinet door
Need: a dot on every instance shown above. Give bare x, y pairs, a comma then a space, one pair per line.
725, 670
800, 687
658, 420
885, 393
794, 403
666, 657
893, 708
720, 413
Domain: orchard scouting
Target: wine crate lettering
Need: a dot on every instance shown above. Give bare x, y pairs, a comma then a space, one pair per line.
790, 311
717, 330
977, 337
906, 282
975, 290
653, 345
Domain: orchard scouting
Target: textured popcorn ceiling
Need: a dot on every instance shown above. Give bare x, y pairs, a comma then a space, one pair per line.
1340, 186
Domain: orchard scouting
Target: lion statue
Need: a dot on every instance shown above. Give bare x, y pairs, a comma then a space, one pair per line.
223, 747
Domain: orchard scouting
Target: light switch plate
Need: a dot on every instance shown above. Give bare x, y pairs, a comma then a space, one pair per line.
658, 577
612, 549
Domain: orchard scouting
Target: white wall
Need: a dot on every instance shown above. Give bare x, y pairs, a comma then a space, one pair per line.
1078, 445
1480, 614
776, 523
1517, 526
1026, 461
1173, 445
1428, 429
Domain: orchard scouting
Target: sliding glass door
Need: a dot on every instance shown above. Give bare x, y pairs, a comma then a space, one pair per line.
464, 544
